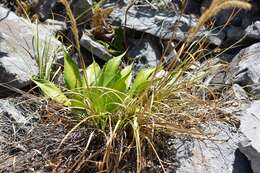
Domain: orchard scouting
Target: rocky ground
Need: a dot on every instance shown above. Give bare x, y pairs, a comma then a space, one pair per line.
31, 129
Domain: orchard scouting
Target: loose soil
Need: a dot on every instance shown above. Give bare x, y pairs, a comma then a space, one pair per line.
35, 148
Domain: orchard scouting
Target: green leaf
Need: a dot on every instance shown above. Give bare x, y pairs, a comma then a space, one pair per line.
142, 81
120, 84
123, 80
50, 90
71, 72
110, 70
127, 72
104, 100
92, 73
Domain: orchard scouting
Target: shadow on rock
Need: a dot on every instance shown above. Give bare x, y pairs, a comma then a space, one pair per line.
241, 163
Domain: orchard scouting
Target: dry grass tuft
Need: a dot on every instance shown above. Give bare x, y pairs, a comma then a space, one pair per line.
27, 9
171, 105
99, 25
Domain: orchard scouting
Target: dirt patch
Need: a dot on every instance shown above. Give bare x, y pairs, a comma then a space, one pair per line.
35, 148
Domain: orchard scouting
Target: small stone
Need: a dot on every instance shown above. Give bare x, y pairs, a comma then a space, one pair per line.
7, 108
145, 50
253, 31
240, 93
245, 69
94, 47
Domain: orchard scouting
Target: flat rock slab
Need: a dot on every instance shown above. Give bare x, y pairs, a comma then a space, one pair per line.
17, 64
215, 155
250, 127
94, 47
162, 24
158, 23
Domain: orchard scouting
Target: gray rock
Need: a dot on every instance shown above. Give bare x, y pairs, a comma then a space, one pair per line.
240, 93
237, 28
17, 64
219, 78
157, 23
253, 31
94, 47
245, 69
161, 23
146, 51
17, 117
13, 116
234, 34
171, 53
240, 17
54, 25
112, 3
82, 9
8, 4
212, 155
166, 4
215, 37
7, 108
45, 8
249, 35
250, 127
224, 16
216, 75
216, 81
